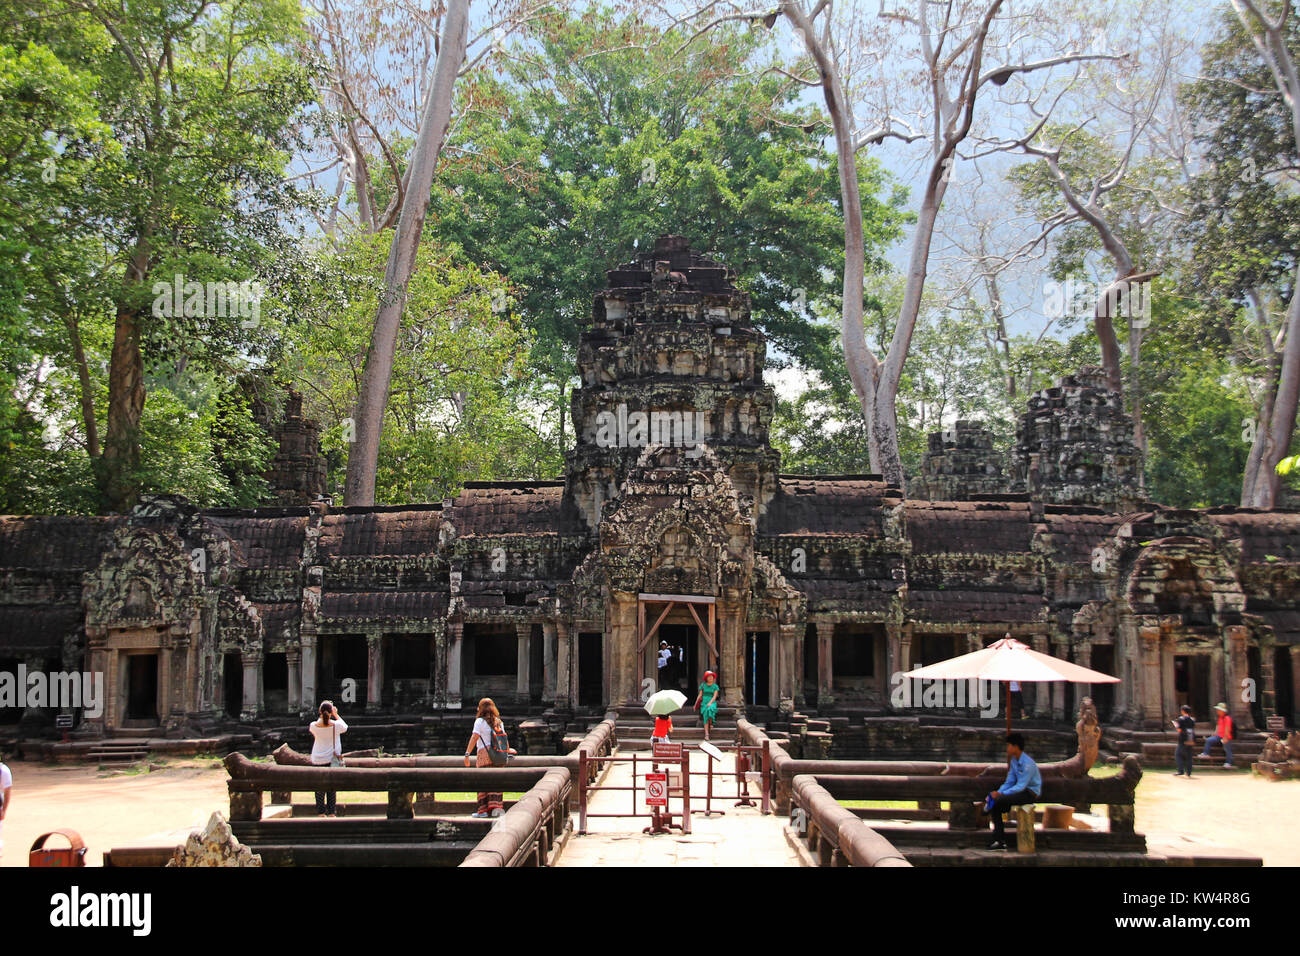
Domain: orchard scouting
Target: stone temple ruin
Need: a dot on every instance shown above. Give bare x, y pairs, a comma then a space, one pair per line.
804, 592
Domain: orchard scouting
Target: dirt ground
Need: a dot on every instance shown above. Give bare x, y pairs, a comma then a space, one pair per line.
1211, 809
1233, 810
108, 810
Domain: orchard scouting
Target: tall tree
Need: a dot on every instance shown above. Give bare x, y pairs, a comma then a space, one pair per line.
601, 136
198, 99
1249, 103
963, 49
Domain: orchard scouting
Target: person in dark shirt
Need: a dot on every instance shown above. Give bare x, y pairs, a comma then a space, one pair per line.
1185, 724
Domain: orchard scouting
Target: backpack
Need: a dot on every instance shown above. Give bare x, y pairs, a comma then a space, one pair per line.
499, 747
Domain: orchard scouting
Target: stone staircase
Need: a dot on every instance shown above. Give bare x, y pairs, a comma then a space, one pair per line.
635, 727
1155, 748
119, 750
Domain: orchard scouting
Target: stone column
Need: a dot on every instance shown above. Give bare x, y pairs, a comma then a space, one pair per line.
1267, 688
1219, 677
438, 668
549, 661
96, 662
251, 660
1083, 657
455, 647
799, 640
308, 703
623, 664
293, 661
113, 702
773, 664
1149, 700
893, 661
374, 673
1042, 705
523, 636
1239, 670
31, 716
1295, 684
825, 666
1168, 687
1058, 686
731, 651
564, 666
162, 702
790, 678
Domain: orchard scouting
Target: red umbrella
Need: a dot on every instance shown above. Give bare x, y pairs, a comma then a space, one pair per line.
1009, 660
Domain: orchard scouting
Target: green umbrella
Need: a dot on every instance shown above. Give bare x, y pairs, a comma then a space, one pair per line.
665, 702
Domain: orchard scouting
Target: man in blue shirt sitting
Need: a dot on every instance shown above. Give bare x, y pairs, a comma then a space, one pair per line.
1023, 785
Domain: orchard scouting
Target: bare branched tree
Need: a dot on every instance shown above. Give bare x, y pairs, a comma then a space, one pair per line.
916, 76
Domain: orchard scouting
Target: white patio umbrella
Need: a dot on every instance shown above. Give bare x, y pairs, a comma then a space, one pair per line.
1009, 660
665, 702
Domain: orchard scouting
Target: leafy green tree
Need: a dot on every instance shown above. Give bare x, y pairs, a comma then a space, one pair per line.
600, 135
185, 182
1245, 219
461, 405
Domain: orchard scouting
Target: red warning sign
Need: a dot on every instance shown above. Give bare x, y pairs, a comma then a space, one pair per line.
663, 751
656, 790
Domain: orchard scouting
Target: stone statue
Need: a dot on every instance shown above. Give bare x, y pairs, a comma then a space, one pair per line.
1280, 759
1089, 730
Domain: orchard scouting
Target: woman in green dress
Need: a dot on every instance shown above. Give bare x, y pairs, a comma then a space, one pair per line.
708, 708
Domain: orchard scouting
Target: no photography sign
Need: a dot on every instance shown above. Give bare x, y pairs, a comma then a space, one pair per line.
656, 790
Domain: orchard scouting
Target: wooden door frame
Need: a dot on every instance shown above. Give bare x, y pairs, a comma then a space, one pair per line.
709, 630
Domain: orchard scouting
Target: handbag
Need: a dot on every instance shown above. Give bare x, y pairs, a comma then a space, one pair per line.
336, 759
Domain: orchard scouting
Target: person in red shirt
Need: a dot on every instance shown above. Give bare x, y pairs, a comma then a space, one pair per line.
1222, 733
663, 727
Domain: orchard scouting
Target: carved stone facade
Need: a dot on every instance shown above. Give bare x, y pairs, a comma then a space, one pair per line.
959, 463
1074, 445
297, 473
673, 523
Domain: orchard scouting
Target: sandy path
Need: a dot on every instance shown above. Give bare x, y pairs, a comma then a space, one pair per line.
109, 811
1221, 809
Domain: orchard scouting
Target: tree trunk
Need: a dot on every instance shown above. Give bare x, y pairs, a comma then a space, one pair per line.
1263, 403
363, 459
890, 464
121, 459
87, 395
1285, 399
862, 366
1135, 397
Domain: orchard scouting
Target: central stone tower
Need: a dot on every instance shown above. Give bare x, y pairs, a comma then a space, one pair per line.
671, 358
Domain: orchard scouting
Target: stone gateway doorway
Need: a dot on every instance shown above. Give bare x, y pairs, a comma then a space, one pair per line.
142, 688
1192, 684
689, 624
683, 671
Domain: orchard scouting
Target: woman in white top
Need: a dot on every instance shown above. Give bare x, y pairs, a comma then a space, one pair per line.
327, 751
487, 720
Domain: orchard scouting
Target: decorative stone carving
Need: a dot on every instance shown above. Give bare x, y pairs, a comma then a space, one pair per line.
1074, 445
1089, 730
959, 463
1280, 759
215, 846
